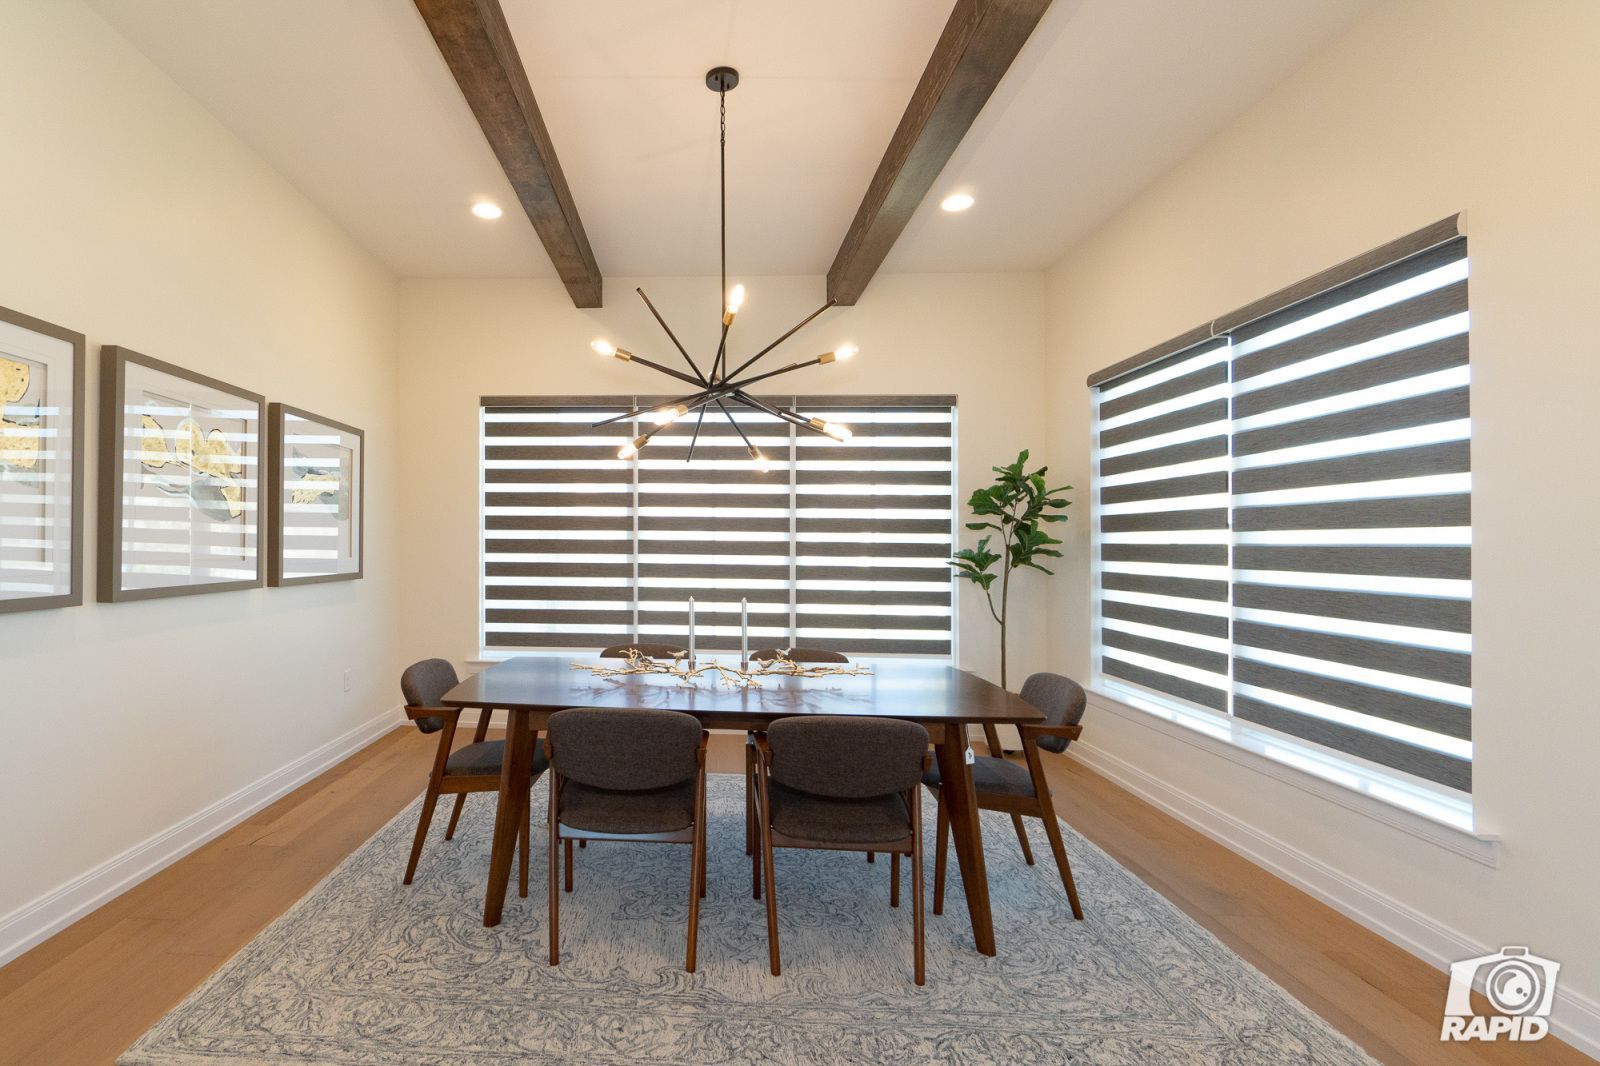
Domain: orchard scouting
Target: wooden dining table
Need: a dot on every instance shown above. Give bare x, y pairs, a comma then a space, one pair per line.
945, 700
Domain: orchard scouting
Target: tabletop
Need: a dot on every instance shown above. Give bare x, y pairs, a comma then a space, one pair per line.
919, 690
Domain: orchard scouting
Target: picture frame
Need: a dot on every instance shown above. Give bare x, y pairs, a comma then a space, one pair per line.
180, 487
316, 498
42, 415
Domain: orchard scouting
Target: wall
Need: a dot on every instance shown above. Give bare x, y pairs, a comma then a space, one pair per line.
1422, 109
977, 336
130, 215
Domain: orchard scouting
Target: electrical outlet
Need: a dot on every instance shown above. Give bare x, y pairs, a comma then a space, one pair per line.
347, 679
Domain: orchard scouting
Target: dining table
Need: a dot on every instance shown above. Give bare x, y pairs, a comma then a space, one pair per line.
945, 700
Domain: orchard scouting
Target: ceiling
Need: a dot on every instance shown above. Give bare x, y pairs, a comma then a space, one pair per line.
352, 103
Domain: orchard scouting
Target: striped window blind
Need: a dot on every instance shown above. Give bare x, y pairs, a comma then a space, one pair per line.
838, 546
1285, 521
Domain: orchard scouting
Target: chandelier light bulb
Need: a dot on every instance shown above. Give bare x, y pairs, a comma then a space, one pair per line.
760, 459
665, 416
631, 449
735, 301
603, 346
844, 351
837, 432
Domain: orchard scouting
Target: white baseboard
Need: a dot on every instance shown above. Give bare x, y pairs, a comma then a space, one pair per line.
1575, 1018
34, 922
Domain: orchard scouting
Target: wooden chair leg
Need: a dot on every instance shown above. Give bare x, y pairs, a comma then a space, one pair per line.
772, 885
919, 946
697, 872
569, 865
894, 879
871, 857
1022, 838
582, 844
1052, 828
526, 834
428, 803
555, 872
991, 737
749, 802
455, 816
942, 835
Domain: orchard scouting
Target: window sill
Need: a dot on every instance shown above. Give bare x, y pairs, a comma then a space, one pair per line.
1436, 815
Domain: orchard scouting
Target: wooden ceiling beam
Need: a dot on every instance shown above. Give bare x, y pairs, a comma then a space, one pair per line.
977, 47
475, 41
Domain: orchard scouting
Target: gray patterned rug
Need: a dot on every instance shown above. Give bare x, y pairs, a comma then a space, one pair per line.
364, 970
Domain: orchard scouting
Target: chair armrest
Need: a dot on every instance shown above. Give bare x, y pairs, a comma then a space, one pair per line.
763, 749
449, 714
1034, 732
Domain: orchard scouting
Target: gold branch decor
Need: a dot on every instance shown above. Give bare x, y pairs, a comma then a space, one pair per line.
684, 672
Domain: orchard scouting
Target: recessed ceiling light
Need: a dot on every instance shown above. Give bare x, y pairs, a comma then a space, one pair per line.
484, 209
956, 201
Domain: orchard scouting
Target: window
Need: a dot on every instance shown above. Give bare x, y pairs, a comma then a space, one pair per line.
833, 546
1284, 519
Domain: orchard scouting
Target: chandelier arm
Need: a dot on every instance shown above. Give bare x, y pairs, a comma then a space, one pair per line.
736, 427
697, 427
642, 361
796, 329
691, 401
672, 336
747, 382
722, 351
775, 412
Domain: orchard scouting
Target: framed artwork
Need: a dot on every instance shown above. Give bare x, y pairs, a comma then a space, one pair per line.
180, 498
41, 464
315, 497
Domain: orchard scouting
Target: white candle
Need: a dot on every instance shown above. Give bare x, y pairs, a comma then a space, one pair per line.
744, 632
691, 629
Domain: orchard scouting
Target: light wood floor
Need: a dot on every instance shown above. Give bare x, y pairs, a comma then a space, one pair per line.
87, 993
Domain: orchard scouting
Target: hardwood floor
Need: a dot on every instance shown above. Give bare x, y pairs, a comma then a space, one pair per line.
88, 992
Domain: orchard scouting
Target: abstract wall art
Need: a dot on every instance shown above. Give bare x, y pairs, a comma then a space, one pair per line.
180, 466
315, 497
41, 464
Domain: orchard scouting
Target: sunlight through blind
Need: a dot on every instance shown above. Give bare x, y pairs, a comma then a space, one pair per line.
1285, 521
833, 546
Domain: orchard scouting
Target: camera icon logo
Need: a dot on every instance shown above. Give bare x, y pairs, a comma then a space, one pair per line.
1518, 984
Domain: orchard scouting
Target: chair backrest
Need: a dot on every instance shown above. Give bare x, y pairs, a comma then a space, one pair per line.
847, 758
799, 655
622, 750
1060, 699
424, 685
653, 651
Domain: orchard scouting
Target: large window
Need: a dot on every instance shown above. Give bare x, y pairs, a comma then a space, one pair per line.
840, 546
1284, 520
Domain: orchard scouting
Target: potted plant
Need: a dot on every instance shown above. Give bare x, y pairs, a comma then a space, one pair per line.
1017, 507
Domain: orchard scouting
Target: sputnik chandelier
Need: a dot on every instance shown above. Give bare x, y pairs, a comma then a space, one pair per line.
720, 385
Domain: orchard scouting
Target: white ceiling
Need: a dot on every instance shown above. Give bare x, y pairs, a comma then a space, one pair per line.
351, 101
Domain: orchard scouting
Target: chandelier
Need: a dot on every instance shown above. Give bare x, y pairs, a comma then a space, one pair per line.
718, 385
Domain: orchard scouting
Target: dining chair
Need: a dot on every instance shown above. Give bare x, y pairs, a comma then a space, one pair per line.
767, 655
649, 651
627, 775
1020, 789
841, 784
474, 767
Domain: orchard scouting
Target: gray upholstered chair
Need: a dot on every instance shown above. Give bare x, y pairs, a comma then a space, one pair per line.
1020, 789
627, 775
474, 767
652, 651
841, 784
766, 655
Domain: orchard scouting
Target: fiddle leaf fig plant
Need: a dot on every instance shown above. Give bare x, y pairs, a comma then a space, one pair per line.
1015, 509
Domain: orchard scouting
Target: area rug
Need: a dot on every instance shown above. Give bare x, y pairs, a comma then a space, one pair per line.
364, 970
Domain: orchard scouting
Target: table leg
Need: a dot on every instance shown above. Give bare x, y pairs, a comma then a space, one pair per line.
510, 812
961, 801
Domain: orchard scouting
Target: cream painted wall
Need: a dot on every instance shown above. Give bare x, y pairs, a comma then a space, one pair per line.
129, 214
977, 336
1424, 108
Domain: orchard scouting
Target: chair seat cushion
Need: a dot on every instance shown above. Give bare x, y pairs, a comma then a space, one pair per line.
878, 819
602, 810
997, 777
485, 757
